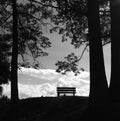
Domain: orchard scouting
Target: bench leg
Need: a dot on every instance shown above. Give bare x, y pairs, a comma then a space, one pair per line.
73, 94
58, 94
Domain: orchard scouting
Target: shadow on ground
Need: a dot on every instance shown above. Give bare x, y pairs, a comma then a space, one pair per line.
64, 108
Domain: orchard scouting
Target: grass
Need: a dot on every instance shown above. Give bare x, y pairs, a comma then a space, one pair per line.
64, 108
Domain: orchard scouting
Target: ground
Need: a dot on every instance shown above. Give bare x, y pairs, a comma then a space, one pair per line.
64, 108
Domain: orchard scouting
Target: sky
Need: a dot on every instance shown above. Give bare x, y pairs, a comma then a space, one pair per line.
43, 82
59, 50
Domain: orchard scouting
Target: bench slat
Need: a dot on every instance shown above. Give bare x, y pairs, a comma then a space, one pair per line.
65, 90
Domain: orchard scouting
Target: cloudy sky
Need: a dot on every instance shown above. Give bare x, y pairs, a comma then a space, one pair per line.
43, 82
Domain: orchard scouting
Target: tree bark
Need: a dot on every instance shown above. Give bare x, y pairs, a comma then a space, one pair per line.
98, 97
14, 65
114, 88
98, 82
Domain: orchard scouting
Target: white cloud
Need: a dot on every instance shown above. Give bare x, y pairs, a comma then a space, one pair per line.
43, 82
47, 74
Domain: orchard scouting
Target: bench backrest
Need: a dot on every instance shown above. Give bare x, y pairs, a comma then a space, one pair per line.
66, 89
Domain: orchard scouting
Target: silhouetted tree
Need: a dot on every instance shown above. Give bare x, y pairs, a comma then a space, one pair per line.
24, 35
115, 49
98, 81
14, 64
31, 40
84, 23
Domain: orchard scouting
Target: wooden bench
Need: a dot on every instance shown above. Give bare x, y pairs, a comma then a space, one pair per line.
65, 90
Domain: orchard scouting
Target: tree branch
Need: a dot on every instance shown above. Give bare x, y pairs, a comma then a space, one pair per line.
38, 19
45, 5
5, 20
106, 43
25, 13
21, 23
83, 52
86, 48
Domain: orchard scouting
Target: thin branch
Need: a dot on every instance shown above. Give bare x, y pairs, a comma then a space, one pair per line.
87, 46
106, 43
52, 6
83, 52
5, 20
30, 15
45, 5
23, 59
21, 23
38, 19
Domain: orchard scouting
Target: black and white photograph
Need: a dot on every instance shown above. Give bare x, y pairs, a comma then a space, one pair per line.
59, 60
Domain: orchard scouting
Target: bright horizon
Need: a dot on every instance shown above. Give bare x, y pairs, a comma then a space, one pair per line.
43, 82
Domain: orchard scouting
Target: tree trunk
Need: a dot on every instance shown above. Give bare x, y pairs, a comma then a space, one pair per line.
98, 81
14, 65
98, 96
115, 49
114, 89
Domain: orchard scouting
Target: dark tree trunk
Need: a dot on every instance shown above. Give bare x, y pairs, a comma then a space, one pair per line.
14, 65
114, 89
115, 52
98, 81
98, 96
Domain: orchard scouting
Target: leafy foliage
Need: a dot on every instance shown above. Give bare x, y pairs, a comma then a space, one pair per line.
70, 64
105, 22
31, 17
31, 39
72, 22
69, 18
